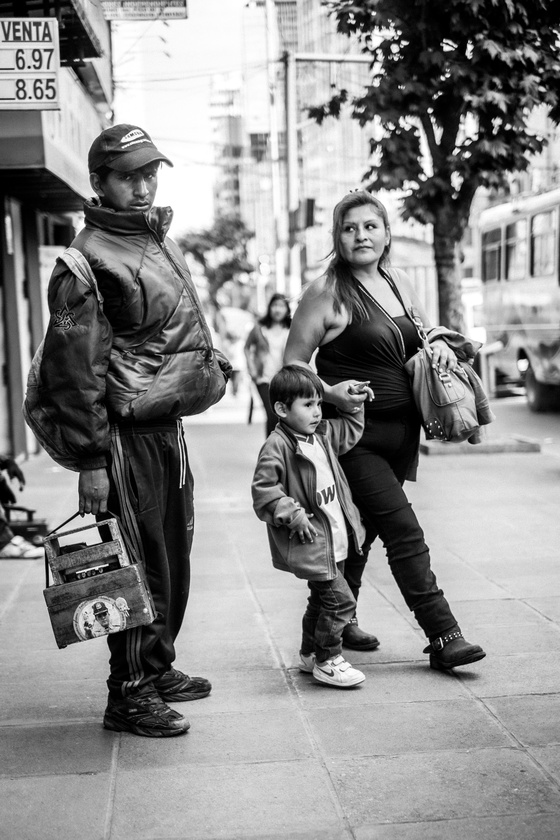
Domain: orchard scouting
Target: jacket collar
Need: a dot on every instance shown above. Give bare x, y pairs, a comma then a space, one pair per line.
128, 223
285, 432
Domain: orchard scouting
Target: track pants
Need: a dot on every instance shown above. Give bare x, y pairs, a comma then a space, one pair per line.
152, 493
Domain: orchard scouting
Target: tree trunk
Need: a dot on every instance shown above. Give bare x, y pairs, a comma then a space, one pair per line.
447, 269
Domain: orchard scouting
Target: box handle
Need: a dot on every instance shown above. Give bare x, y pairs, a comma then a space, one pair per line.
58, 527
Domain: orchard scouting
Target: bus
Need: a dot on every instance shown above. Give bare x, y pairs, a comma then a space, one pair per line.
519, 268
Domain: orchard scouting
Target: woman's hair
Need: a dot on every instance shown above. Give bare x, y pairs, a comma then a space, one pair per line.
267, 321
339, 273
293, 381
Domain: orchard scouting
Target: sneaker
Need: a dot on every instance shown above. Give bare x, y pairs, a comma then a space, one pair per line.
19, 549
144, 713
306, 662
337, 672
174, 687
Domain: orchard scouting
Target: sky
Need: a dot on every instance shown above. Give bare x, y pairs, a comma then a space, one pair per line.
163, 73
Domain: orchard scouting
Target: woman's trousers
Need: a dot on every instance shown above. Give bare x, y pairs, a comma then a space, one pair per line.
376, 469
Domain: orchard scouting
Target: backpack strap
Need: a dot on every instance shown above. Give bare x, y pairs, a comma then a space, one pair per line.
81, 269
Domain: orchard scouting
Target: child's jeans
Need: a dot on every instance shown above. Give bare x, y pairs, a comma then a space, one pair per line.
330, 607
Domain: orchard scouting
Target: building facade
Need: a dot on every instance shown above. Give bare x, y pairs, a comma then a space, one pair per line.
43, 182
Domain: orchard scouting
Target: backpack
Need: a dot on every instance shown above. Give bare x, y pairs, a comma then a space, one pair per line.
41, 418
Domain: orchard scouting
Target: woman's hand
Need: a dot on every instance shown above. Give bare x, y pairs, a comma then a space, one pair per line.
93, 491
350, 394
443, 357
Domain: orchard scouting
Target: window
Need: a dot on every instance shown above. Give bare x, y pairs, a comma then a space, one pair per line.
544, 228
516, 250
491, 242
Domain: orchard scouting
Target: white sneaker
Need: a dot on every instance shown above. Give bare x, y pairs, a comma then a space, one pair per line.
306, 663
337, 672
19, 549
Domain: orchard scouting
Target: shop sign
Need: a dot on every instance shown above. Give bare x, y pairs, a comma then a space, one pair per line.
144, 9
29, 64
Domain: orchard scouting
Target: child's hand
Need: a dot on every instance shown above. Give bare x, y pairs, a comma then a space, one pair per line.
304, 529
361, 388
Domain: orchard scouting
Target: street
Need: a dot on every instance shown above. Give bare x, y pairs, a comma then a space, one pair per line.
513, 415
413, 754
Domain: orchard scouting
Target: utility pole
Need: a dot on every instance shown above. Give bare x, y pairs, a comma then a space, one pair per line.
290, 60
279, 227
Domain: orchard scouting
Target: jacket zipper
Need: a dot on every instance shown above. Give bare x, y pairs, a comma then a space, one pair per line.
317, 509
183, 279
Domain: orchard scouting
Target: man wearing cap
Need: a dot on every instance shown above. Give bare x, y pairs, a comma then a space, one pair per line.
119, 374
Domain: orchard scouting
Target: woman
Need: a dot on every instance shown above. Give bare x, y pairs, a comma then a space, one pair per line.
264, 350
356, 315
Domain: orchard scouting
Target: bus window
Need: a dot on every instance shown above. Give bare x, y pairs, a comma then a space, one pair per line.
543, 239
516, 250
491, 242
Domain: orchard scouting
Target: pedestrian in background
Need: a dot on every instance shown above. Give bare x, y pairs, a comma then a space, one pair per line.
119, 379
356, 317
301, 493
13, 547
264, 350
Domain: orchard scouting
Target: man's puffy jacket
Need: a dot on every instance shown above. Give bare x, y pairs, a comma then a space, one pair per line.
147, 354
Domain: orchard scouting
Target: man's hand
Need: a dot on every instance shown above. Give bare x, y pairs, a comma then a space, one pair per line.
13, 471
93, 491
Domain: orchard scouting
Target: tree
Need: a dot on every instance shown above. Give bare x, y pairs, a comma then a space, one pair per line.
220, 250
452, 85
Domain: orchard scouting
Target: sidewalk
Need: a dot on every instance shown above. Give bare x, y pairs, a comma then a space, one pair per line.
413, 754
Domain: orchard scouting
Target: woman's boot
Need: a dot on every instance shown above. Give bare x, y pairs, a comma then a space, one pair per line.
451, 651
356, 639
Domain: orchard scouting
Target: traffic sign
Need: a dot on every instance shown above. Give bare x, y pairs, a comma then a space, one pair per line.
29, 63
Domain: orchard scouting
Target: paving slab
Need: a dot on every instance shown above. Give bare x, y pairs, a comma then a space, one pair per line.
218, 801
64, 807
58, 749
518, 827
549, 759
504, 676
224, 738
549, 607
370, 730
385, 683
442, 785
534, 720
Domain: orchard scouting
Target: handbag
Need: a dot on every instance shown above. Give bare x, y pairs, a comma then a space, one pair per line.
451, 403
97, 588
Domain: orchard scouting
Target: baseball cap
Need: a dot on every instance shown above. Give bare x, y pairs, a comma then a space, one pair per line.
123, 147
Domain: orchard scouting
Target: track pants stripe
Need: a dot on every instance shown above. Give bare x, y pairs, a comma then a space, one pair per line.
130, 526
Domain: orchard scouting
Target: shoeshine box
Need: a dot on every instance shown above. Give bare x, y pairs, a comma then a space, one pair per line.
96, 588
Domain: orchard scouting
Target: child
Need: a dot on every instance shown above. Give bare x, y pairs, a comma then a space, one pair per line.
302, 494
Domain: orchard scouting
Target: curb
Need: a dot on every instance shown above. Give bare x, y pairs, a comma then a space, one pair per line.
512, 444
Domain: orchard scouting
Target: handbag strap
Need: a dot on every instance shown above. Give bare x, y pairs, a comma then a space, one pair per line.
412, 314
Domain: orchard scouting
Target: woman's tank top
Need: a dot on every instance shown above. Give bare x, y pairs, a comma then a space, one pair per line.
375, 350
